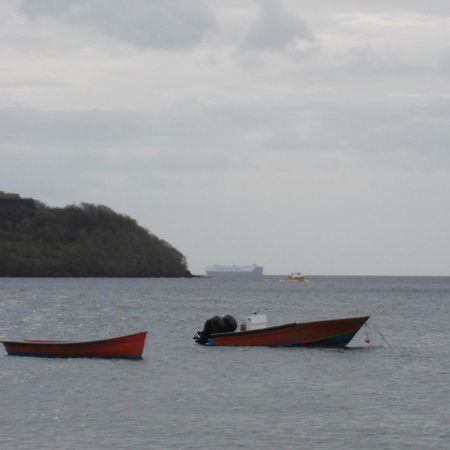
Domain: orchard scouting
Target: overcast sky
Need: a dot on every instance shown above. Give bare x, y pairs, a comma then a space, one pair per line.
302, 136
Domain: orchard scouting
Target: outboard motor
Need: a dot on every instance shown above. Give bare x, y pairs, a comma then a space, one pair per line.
229, 323
225, 324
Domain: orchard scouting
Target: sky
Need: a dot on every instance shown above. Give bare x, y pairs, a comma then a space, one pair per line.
298, 135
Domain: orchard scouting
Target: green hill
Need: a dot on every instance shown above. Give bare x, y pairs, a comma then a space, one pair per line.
80, 241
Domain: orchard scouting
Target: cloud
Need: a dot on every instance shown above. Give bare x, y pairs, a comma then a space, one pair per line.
444, 62
191, 137
437, 7
162, 24
276, 30
412, 137
181, 138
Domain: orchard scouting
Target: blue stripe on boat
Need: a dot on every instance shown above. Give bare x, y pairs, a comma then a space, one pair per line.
52, 355
340, 340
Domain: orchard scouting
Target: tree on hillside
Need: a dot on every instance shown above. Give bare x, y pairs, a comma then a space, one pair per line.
82, 240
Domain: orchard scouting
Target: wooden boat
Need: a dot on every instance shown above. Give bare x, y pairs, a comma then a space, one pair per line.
325, 333
128, 347
296, 276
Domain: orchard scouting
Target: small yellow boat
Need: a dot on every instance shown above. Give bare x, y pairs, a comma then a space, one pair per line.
296, 276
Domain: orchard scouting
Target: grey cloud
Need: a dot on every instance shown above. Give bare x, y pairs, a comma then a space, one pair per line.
275, 29
193, 137
359, 73
68, 128
416, 135
434, 7
166, 24
379, 6
180, 137
444, 62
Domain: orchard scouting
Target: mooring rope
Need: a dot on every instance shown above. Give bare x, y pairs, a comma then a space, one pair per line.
381, 334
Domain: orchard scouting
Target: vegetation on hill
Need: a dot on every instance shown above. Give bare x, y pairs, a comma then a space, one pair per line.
81, 241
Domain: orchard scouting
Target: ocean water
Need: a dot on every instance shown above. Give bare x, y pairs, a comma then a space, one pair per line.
391, 394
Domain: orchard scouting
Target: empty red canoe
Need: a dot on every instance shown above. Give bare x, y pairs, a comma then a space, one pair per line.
325, 333
129, 347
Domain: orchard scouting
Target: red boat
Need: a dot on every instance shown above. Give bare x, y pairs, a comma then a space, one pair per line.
128, 347
325, 333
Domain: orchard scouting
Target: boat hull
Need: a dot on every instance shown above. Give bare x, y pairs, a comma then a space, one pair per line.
325, 333
123, 347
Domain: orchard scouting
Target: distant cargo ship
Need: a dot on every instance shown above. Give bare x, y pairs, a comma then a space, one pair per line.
252, 271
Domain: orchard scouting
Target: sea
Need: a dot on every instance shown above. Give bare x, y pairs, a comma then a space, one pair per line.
390, 393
